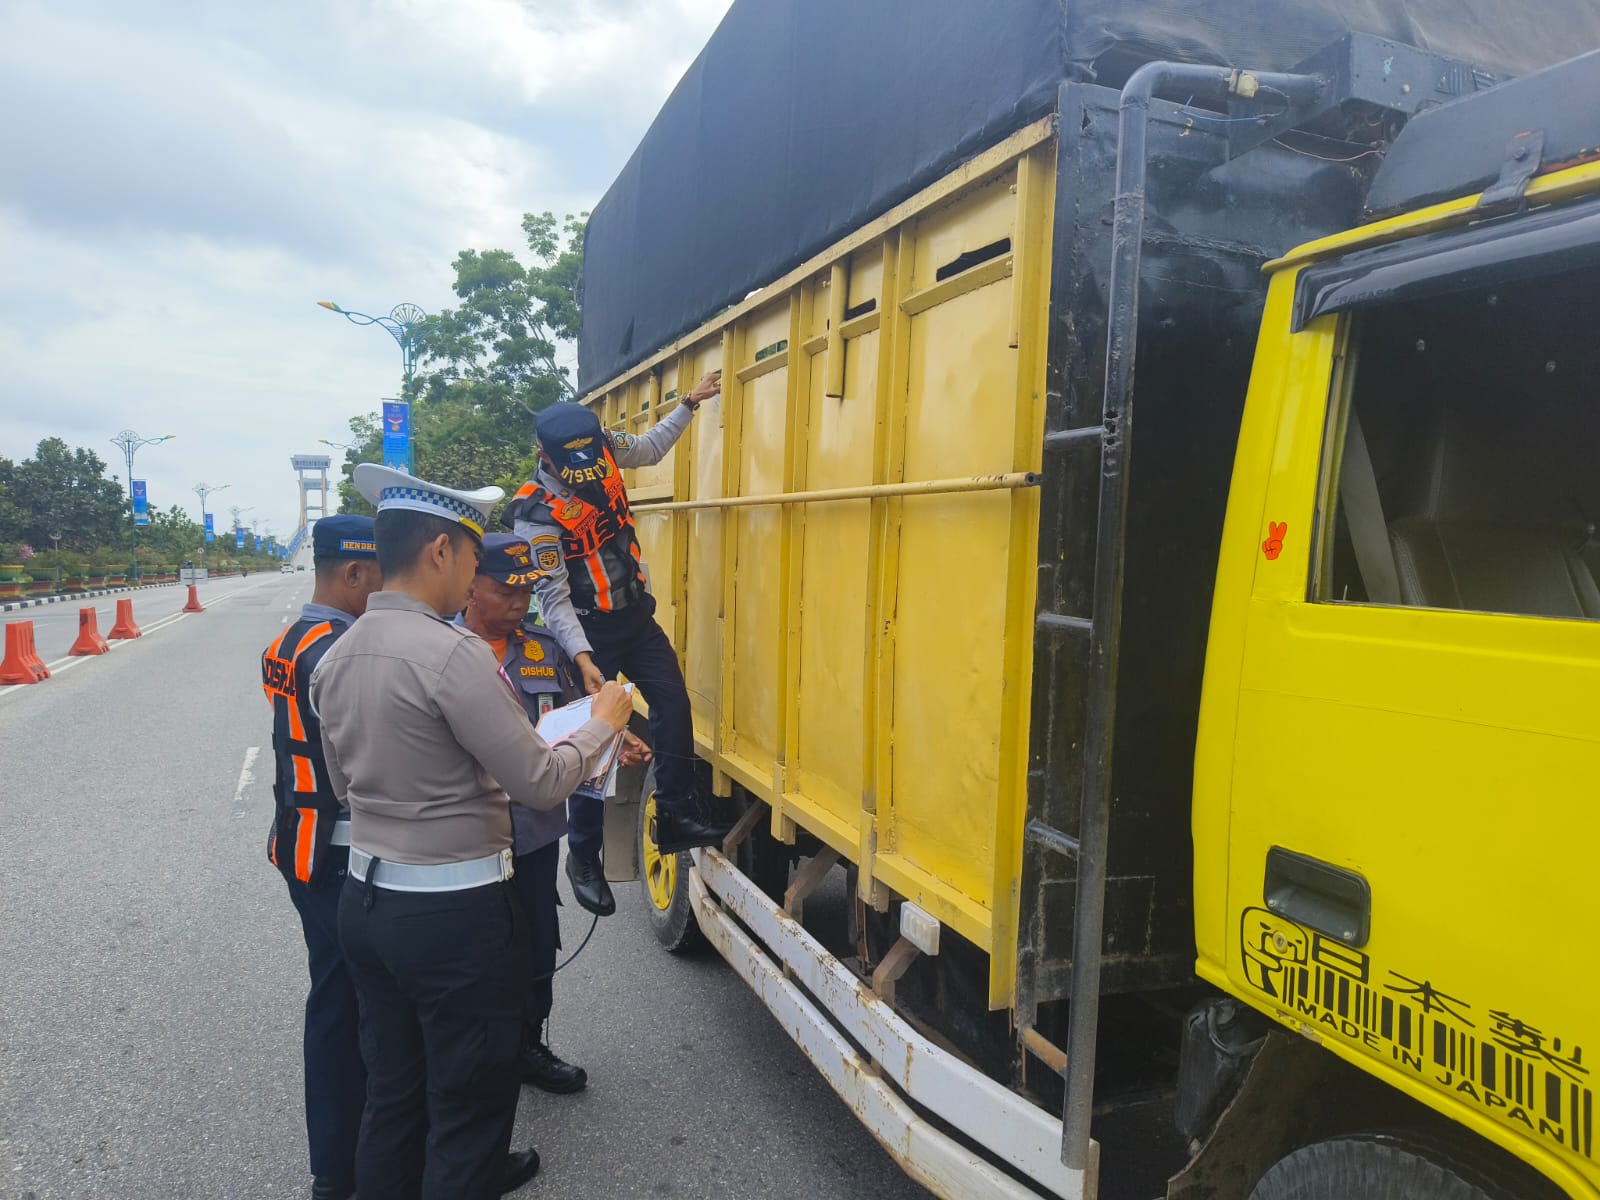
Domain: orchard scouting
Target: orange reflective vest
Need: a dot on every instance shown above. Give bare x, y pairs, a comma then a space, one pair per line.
599, 542
306, 807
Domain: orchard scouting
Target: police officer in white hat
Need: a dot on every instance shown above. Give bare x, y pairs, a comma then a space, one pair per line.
428, 749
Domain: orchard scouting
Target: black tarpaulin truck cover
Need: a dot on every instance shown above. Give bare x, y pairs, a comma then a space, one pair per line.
803, 119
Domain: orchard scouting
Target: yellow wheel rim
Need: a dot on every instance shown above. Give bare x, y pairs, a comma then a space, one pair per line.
660, 870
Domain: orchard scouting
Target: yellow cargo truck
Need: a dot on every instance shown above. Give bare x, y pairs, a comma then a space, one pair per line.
1214, 790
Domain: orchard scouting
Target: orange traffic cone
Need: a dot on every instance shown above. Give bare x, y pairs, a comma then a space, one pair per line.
89, 639
21, 663
194, 601
125, 628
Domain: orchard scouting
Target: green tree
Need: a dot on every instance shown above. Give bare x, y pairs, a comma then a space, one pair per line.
11, 517
492, 362
171, 536
64, 490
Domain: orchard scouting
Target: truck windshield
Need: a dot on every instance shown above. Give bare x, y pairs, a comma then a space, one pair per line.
1463, 453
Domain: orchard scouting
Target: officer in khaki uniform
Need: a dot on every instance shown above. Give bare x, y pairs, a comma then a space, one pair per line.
428, 749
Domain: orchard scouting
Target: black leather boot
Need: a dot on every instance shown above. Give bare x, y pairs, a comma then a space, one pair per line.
689, 823
545, 1071
589, 886
520, 1166
329, 1187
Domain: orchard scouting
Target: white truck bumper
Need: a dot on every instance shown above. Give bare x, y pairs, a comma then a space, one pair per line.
821, 1001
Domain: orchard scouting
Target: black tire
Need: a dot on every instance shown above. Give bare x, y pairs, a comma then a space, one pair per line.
664, 882
1364, 1168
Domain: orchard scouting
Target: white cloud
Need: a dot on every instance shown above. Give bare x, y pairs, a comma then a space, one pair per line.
189, 177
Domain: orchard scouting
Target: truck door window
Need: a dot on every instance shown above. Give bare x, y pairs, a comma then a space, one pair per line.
1463, 469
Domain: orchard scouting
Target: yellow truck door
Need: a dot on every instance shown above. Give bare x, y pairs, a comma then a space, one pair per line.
1411, 820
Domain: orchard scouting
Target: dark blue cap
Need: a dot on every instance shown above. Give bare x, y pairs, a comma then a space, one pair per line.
343, 537
513, 560
570, 435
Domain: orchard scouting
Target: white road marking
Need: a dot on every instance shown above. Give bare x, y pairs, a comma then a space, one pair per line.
247, 776
66, 664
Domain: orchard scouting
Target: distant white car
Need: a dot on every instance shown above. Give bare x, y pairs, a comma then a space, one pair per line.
286, 569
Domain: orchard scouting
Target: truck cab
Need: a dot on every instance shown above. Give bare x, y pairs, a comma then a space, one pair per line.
1398, 734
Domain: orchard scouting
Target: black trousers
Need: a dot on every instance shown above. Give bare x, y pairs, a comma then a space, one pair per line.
586, 824
443, 979
335, 1078
535, 882
631, 643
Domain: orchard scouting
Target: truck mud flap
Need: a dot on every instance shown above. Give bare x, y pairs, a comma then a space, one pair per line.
828, 1011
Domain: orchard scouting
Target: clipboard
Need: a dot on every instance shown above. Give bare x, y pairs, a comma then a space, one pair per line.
561, 723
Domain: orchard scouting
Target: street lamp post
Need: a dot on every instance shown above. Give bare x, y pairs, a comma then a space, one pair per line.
403, 324
56, 539
203, 490
238, 526
130, 443
340, 445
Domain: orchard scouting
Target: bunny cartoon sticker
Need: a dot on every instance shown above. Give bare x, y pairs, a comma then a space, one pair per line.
1273, 546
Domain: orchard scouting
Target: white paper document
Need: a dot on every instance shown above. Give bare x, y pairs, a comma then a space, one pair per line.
559, 724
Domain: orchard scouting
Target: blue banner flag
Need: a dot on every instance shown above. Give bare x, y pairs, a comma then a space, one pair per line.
238, 538
258, 543
397, 435
211, 531
141, 503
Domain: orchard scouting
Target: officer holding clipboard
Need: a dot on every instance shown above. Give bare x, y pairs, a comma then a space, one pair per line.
429, 750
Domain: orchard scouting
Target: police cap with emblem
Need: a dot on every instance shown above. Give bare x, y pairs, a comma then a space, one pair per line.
388, 489
569, 434
343, 537
508, 559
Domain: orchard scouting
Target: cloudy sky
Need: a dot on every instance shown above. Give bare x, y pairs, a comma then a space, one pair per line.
184, 179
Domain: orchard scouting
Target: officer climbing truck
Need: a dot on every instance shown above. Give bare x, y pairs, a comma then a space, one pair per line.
1214, 788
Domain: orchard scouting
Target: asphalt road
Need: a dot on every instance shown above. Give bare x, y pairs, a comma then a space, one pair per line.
55, 626
154, 972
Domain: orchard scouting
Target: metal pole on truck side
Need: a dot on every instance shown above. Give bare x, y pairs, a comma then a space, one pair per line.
1122, 336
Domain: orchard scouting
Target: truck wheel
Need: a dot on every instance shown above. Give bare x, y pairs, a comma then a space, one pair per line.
1363, 1168
666, 881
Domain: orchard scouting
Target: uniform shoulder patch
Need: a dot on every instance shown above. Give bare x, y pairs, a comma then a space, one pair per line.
549, 557
622, 440
543, 538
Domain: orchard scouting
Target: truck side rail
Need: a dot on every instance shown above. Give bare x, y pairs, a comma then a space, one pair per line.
760, 940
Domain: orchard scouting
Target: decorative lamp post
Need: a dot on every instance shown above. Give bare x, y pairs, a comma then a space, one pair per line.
131, 442
238, 526
403, 324
56, 538
203, 490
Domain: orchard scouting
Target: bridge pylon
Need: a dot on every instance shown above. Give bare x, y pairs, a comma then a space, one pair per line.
312, 473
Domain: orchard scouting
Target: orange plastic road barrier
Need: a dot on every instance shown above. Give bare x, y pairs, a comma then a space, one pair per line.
89, 639
125, 628
194, 601
21, 663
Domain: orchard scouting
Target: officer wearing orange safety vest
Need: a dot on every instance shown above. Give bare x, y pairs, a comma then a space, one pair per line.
593, 596
310, 841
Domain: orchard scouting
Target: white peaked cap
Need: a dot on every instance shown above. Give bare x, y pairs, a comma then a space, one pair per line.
386, 488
